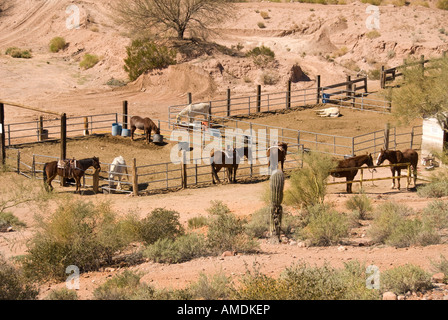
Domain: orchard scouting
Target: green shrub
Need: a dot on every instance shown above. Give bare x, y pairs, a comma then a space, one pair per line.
436, 214
437, 188
144, 56
258, 225
374, 2
261, 55
184, 248
261, 25
14, 285
7, 220
125, 286
57, 44
18, 53
302, 282
361, 204
89, 61
226, 231
405, 278
373, 34
77, 233
308, 185
160, 224
197, 222
391, 226
441, 266
214, 287
269, 78
325, 226
442, 4
62, 294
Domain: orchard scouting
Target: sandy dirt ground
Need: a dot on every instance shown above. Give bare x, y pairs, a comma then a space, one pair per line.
323, 40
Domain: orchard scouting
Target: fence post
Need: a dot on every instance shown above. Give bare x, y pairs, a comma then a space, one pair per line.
348, 86
288, 95
125, 114
412, 138
41, 128
386, 136
228, 102
318, 90
184, 169
365, 85
258, 98
190, 99
134, 178
86, 126
63, 142
2, 133
382, 78
18, 161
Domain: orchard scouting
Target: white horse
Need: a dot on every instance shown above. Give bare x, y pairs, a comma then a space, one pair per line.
118, 169
332, 112
194, 110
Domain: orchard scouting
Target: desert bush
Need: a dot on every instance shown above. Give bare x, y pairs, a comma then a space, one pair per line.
374, 2
115, 82
361, 205
57, 44
441, 266
437, 187
374, 74
183, 248
392, 226
269, 78
226, 232
8, 219
18, 53
405, 278
125, 286
14, 285
303, 282
261, 25
214, 287
373, 34
442, 4
264, 15
261, 55
324, 226
160, 224
144, 56
197, 222
89, 61
76, 233
308, 184
436, 214
62, 294
259, 223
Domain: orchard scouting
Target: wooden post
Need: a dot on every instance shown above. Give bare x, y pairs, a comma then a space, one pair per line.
125, 114
382, 78
63, 142
353, 96
258, 98
228, 102
386, 136
190, 99
348, 87
412, 139
2, 133
134, 178
41, 128
184, 169
318, 89
288, 95
86, 126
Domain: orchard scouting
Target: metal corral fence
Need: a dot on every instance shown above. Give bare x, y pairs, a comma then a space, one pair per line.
150, 178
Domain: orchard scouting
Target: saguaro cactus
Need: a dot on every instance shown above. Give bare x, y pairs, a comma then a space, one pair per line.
277, 185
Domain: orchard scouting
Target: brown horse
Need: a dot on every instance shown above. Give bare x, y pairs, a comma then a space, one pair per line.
229, 160
146, 125
396, 156
277, 154
353, 162
69, 169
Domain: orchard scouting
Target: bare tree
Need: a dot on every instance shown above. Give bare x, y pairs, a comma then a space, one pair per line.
165, 16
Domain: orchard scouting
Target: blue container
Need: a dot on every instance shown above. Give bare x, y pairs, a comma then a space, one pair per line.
125, 132
116, 129
325, 98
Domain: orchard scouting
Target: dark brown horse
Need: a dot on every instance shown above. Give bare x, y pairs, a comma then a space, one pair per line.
396, 156
277, 154
69, 169
353, 162
229, 160
146, 124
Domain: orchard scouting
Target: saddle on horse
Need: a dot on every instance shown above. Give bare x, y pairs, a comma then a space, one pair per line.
67, 167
